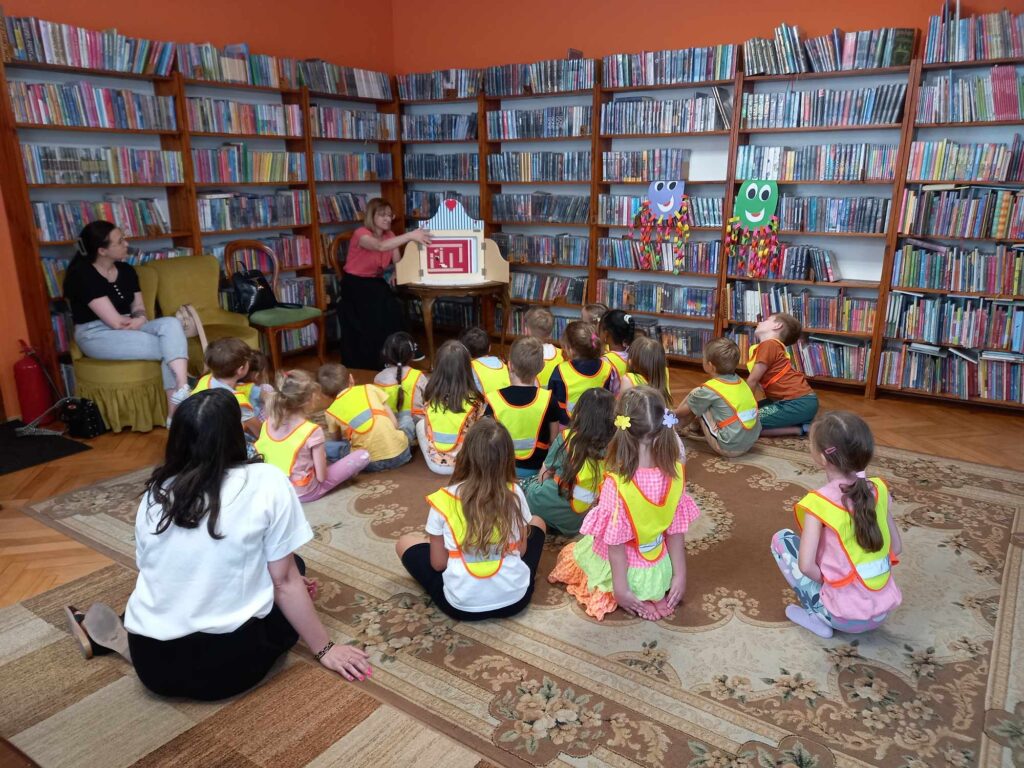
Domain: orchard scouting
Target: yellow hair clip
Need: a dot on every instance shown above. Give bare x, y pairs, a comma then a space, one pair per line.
622, 421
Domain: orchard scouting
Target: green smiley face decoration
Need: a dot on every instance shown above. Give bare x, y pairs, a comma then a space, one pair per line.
756, 203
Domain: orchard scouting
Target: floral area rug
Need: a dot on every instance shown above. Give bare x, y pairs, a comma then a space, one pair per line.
726, 681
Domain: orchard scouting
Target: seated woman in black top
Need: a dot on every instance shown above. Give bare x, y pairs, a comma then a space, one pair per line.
110, 316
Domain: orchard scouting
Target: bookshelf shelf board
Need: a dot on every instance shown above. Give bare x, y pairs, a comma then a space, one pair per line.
442, 181
98, 184
353, 141
554, 95
1000, 240
440, 141
546, 303
671, 316
836, 380
806, 233
85, 71
537, 138
951, 292
207, 184
152, 236
531, 265
237, 86
542, 223
824, 128
865, 284
872, 72
350, 97
452, 100
911, 340
605, 225
952, 398
238, 230
224, 134
331, 223
97, 129
968, 182
673, 135
971, 124
681, 273
683, 359
689, 182
813, 331
354, 181
816, 182
664, 86
972, 63
536, 183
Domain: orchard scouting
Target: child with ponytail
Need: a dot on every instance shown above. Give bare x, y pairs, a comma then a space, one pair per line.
646, 365
840, 565
633, 555
402, 383
617, 332
583, 369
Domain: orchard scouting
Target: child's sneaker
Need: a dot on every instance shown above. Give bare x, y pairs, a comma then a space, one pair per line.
180, 395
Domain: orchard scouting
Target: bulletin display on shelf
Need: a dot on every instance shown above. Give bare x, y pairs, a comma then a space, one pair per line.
458, 253
752, 232
664, 217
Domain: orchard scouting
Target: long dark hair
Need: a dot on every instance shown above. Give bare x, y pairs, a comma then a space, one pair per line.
619, 326
451, 384
399, 350
205, 441
845, 441
592, 430
94, 235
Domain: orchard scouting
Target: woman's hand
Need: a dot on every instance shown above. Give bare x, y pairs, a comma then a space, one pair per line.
135, 323
422, 236
349, 662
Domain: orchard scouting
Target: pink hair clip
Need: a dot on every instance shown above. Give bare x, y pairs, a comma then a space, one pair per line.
862, 475
594, 338
830, 450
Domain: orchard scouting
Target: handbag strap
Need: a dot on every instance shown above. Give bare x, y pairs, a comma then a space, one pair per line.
199, 325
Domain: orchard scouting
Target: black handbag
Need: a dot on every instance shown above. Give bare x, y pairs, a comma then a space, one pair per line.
82, 418
252, 292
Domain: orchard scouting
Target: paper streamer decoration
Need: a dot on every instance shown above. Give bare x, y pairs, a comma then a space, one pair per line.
752, 234
663, 217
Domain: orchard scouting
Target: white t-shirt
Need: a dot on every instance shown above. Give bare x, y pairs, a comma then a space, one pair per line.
465, 591
190, 582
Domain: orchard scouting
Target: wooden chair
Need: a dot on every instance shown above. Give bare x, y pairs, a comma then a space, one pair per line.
336, 256
272, 322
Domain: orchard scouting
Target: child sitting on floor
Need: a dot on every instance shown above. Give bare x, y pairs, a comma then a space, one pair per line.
256, 382
790, 404
489, 371
593, 312
583, 369
451, 404
402, 383
617, 332
539, 323
646, 366
229, 360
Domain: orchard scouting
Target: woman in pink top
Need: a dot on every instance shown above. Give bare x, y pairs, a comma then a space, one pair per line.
370, 311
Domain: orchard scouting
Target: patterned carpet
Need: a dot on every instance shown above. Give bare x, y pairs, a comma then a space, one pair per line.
726, 681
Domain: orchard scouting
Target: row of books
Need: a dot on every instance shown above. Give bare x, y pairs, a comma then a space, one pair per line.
564, 249
355, 124
517, 322
352, 166
795, 262
994, 95
237, 163
30, 39
751, 302
297, 290
423, 205
440, 84
458, 166
621, 210
325, 77
834, 214
786, 54
822, 162
958, 270
226, 116
447, 312
550, 76
547, 123
997, 35
700, 258
960, 321
49, 164
439, 127
62, 221
534, 287
657, 298
539, 166
686, 65
237, 210
825, 107
683, 341
540, 207
947, 160
82, 104
63, 327
960, 374
645, 164
833, 358
291, 251
293, 340
235, 64
967, 212
340, 207
643, 115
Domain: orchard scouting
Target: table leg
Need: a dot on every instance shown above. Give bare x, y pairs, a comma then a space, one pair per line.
427, 302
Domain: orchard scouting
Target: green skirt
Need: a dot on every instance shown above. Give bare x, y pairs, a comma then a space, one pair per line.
649, 583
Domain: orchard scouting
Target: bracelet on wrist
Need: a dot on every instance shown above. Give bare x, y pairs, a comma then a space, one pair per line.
320, 654
139, 313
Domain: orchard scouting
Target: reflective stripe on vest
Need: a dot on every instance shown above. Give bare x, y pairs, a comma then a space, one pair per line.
523, 422
618, 360
587, 484
650, 518
872, 569
551, 362
409, 381
739, 398
785, 368
488, 376
352, 408
481, 565
445, 429
577, 383
283, 453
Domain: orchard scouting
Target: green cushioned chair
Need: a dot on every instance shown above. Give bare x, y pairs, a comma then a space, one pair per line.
129, 393
195, 280
272, 322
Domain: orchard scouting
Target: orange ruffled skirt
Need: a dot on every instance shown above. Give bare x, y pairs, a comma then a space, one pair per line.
595, 602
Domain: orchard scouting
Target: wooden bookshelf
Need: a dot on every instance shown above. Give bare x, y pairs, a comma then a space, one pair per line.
972, 63
825, 128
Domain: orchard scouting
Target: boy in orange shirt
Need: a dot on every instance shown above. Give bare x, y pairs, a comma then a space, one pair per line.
790, 404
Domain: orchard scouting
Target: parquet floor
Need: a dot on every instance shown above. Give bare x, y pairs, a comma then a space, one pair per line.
35, 558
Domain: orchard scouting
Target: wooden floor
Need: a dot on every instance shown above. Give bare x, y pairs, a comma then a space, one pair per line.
35, 558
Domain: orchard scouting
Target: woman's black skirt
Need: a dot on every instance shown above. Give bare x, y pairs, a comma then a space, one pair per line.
370, 312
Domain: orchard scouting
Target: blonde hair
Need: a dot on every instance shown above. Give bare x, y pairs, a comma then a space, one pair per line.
539, 322
486, 469
333, 379
723, 354
791, 328
372, 206
647, 357
293, 391
593, 312
645, 408
526, 358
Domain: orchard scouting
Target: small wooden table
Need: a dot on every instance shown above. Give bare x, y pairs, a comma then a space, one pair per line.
428, 294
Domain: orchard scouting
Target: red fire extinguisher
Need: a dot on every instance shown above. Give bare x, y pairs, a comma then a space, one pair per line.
35, 393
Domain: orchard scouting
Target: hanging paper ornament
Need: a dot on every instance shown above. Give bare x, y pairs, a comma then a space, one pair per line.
664, 217
752, 233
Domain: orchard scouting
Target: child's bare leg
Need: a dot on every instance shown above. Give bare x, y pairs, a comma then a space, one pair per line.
407, 540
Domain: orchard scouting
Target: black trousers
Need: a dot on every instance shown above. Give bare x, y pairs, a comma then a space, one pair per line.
417, 562
370, 312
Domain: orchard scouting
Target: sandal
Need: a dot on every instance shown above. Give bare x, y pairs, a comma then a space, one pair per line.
75, 618
98, 631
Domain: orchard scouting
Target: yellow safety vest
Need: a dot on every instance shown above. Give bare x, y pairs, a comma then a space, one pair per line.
523, 422
619, 361
587, 484
650, 518
241, 391
576, 383
488, 376
409, 381
352, 408
740, 399
786, 368
444, 428
872, 569
482, 565
282, 453
638, 379
550, 363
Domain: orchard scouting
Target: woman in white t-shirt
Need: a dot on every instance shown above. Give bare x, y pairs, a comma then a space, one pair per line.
479, 557
220, 595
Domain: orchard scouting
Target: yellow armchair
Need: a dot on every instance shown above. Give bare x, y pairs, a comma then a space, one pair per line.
195, 280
